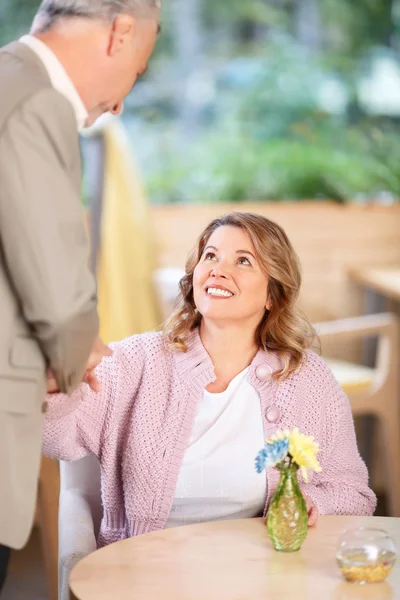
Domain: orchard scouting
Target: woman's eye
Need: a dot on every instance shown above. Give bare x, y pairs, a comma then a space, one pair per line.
209, 256
244, 261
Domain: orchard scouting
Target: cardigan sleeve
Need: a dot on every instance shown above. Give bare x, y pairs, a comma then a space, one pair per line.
76, 425
342, 486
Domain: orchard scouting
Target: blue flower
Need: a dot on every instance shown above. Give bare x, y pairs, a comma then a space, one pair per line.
261, 460
272, 454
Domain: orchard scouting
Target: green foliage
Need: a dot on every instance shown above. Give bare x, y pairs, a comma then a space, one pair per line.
359, 25
271, 140
15, 18
265, 135
305, 166
236, 11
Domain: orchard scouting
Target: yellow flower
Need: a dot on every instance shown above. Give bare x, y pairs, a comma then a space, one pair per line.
279, 435
303, 450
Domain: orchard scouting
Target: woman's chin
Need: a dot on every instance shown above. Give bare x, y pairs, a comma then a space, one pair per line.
225, 318
218, 315
213, 315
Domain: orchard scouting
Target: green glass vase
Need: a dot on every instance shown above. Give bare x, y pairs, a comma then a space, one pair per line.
287, 519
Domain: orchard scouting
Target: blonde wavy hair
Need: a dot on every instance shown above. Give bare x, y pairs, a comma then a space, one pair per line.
284, 329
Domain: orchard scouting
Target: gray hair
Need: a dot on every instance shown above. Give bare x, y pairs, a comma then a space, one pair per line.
52, 10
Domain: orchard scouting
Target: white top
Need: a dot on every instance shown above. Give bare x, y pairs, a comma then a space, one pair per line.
217, 479
58, 77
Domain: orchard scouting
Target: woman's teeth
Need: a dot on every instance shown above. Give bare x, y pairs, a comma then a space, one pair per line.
219, 292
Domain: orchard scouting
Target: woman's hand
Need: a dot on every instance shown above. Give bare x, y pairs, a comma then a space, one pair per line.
312, 510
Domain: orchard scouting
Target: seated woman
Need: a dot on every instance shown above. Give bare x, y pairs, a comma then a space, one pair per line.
181, 415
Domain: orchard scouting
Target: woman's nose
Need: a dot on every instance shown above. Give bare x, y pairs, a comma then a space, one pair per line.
219, 270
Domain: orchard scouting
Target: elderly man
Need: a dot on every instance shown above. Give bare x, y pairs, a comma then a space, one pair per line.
80, 61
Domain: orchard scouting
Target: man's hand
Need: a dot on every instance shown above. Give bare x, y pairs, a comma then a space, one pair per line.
312, 510
52, 387
99, 351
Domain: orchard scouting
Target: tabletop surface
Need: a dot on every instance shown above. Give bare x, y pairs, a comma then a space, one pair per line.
229, 560
385, 280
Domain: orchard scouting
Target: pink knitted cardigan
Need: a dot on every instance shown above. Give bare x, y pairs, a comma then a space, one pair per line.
140, 422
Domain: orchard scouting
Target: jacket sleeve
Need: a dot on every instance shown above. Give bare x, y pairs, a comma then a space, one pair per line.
342, 486
42, 233
79, 425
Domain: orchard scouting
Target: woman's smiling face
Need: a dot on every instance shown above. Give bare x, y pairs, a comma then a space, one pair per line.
228, 282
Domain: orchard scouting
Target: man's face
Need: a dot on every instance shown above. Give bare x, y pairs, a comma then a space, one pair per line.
131, 43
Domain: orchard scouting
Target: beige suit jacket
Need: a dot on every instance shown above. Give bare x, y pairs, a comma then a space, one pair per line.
47, 294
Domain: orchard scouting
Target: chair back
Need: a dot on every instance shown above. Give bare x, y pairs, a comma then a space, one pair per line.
82, 477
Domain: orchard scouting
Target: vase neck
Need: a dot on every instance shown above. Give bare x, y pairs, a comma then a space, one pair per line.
288, 477
292, 469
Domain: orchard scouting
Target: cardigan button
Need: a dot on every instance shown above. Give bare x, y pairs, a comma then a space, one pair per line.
273, 414
263, 373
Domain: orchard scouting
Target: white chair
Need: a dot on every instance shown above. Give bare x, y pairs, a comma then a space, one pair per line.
80, 513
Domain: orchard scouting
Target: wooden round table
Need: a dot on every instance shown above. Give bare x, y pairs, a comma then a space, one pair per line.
228, 560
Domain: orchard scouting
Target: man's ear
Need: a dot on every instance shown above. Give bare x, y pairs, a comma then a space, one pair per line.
122, 31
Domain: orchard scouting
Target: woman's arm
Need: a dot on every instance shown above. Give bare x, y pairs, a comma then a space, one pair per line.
74, 426
342, 486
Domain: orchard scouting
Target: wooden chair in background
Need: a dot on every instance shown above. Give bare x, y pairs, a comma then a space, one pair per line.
47, 521
373, 391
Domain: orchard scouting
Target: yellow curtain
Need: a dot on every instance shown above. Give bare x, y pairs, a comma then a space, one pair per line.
124, 270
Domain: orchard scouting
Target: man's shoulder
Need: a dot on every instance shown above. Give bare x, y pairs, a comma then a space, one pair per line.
20, 79
25, 85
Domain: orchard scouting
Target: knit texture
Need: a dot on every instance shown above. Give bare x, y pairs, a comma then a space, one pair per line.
139, 424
